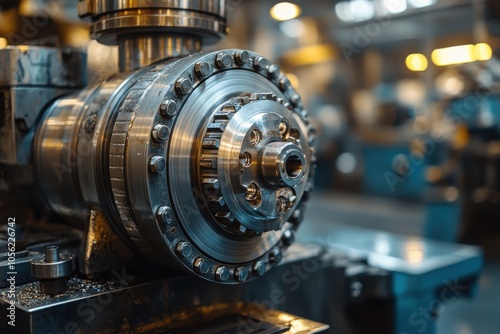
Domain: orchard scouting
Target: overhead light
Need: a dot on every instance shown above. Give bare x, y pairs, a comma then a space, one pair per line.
395, 6
310, 55
417, 62
355, 10
482, 51
421, 3
293, 28
284, 11
461, 54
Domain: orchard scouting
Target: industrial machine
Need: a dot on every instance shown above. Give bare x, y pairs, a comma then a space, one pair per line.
146, 203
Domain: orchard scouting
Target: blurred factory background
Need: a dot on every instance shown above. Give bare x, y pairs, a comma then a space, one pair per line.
405, 96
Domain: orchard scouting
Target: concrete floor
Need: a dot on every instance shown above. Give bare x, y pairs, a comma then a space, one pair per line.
479, 315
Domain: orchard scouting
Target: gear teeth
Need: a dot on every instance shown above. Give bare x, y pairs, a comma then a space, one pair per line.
211, 184
211, 143
226, 217
217, 201
209, 155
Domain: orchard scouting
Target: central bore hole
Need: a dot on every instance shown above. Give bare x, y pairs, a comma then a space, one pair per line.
293, 166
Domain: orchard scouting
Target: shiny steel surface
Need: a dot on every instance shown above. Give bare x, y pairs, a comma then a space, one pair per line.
138, 51
137, 147
148, 31
42, 66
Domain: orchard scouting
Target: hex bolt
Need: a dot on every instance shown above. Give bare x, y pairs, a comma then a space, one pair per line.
183, 249
52, 271
221, 273
201, 266
260, 63
295, 99
168, 108
202, 69
241, 57
183, 86
288, 237
273, 71
241, 274
283, 128
284, 84
223, 60
165, 214
259, 268
275, 255
157, 164
160, 133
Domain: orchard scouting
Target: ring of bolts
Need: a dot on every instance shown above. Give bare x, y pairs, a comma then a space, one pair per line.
187, 81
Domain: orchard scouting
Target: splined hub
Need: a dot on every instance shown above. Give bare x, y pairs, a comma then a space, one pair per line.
252, 164
202, 162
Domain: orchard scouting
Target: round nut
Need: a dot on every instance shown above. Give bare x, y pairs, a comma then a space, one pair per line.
168, 108
157, 164
201, 266
160, 133
259, 268
221, 273
241, 274
165, 214
242, 57
202, 69
223, 60
183, 249
183, 86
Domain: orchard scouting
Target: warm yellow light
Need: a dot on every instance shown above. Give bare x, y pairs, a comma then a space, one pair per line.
294, 80
285, 11
461, 54
309, 55
417, 62
3, 43
453, 55
482, 51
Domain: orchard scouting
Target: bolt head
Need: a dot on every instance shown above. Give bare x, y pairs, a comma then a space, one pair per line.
295, 99
202, 69
241, 274
157, 164
284, 84
259, 268
273, 71
168, 108
201, 266
183, 249
221, 273
275, 255
288, 237
183, 86
160, 133
242, 57
260, 63
165, 214
223, 60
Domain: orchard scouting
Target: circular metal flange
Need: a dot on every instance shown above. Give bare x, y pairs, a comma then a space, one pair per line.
167, 211
257, 136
